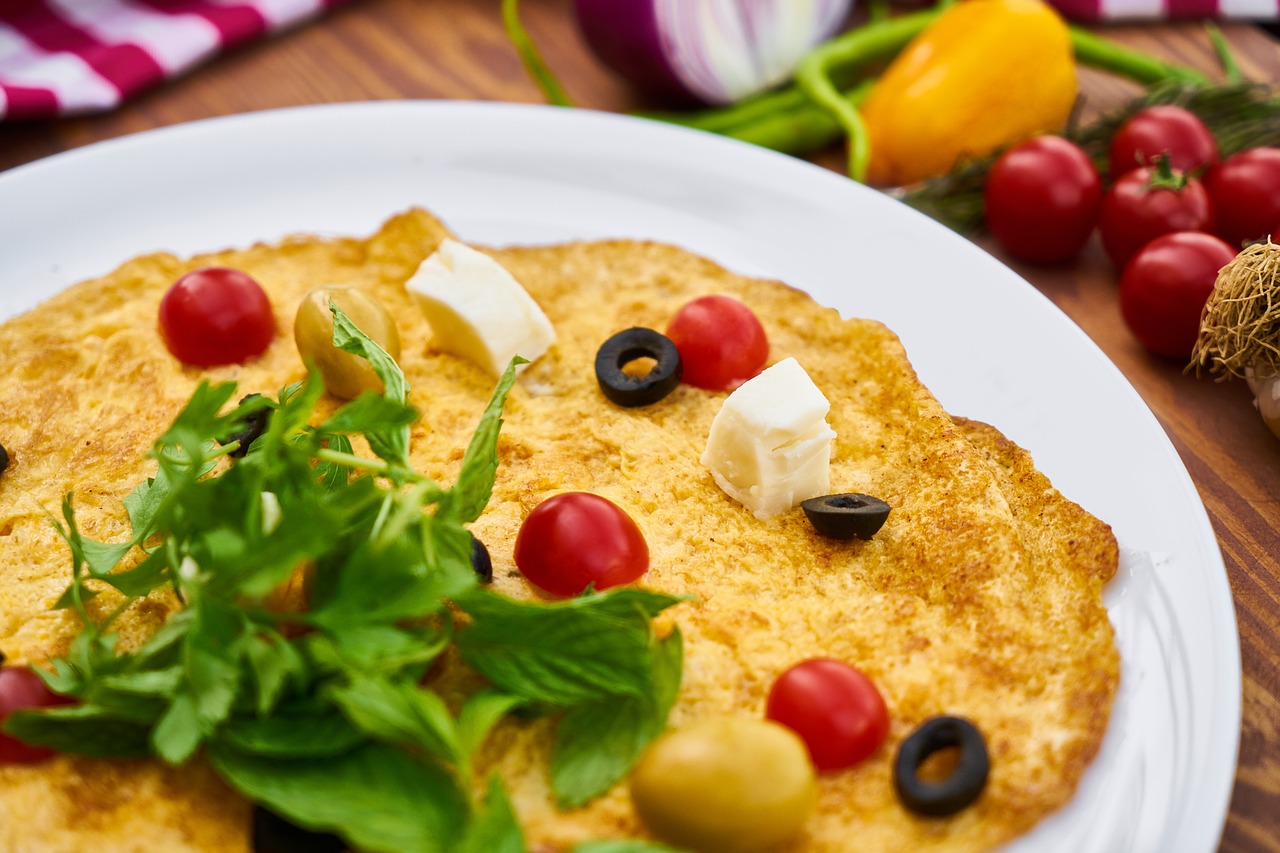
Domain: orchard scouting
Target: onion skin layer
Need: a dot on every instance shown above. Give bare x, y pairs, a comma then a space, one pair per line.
691, 52
624, 35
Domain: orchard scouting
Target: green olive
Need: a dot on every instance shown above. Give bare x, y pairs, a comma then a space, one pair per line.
725, 784
345, 374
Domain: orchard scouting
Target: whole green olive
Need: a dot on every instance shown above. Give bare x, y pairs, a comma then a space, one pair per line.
725, 784
345, 374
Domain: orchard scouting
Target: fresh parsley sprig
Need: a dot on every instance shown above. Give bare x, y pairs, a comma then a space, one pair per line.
321, 713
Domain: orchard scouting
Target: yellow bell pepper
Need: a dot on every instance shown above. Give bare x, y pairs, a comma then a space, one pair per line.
985, 74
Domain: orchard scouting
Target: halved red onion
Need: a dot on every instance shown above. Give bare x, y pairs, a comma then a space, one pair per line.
711, 51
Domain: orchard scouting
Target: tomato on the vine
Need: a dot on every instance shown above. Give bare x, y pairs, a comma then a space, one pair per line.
837, 711
1163, 129
214, 315
1041, 200
20, 688
1245, 189
1165, 286
574, 540
1146, 203
721, 342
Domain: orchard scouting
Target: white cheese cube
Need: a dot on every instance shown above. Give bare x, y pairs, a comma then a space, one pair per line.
477, 310
770, 445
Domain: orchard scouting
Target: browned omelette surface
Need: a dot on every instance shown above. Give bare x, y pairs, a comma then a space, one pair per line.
981, 596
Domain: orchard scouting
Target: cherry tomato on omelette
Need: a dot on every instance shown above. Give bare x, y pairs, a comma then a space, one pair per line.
1146, 203
836, 710
214, 315
21, 687
577, 539
1164, 288
1041, 200
1159, 130
721, 342
1245, 189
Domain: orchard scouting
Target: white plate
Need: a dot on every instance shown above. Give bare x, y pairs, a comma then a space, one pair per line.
988, 344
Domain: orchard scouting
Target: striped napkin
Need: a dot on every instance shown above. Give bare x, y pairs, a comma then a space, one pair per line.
66, 57
1150, 10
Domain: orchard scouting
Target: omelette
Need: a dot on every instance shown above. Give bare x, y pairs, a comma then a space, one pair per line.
980, 597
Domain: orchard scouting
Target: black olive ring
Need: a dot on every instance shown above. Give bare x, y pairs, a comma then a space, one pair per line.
254, 425
847, 515
4, 459
481, 562
958, 790
627, 346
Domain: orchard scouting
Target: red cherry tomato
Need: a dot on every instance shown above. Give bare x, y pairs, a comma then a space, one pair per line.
1042, 200
215, 316
721, 342
1163, 129
575, 540
1245, 189
836, 710
20, 687
1143, 205
1164, 288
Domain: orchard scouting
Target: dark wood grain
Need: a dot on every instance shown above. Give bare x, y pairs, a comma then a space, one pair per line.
391, 49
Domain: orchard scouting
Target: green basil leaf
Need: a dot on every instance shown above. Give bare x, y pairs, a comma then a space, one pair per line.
380, 585
152, 682
630, 602
212, 662
72, 594
389, 443
370, 411
144, 502
102, 557
624, 847
399, 713
274, 662
565, 653
389, 649
82, 729
299, 730
179, 732
494, 829
480, 462
375, 796
479, 714
332, 475
597, 744
144, 578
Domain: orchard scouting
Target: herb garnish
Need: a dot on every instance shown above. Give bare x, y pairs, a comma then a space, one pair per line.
321, 715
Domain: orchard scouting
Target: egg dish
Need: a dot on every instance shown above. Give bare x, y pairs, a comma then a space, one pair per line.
981, 596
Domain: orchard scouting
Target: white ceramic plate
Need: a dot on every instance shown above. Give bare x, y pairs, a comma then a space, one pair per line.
988, 344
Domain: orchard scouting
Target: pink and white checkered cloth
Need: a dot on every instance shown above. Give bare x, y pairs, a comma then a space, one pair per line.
1153, 10
65, 57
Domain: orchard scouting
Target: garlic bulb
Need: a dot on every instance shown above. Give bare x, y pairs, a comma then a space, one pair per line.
1267, 398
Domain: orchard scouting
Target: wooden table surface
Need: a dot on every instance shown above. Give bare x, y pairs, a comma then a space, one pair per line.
391, 49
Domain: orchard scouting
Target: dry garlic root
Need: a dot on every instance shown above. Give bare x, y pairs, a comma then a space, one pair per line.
1240, 327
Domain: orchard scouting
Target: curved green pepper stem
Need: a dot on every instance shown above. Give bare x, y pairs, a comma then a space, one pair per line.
813, 79
1230, 68
534, 64
849, 53
1098, 52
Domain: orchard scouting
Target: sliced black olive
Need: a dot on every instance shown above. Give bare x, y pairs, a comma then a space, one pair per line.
4, 459
254, 426
966, 781
274, 834
846, 516
627, 346
480, 561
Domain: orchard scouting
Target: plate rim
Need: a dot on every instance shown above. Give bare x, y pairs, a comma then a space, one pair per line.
1224, 612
